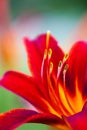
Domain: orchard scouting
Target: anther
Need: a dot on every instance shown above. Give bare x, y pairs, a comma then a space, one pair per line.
45, 54
64, 72
47, 39
49, 53
65, 68
59, 68
50, 67
65, 57
60, 64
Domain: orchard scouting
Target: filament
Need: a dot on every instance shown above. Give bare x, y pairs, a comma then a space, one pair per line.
44, 58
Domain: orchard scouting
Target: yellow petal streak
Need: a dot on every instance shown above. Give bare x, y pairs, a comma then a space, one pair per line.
64, 100
62, 127
51, 110
78, 98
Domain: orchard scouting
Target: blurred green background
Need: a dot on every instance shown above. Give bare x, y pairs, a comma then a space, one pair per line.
71, 10
45, 6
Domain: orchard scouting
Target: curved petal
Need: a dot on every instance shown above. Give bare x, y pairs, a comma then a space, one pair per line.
49, 119
17, 117
36, 48
77, 71
79, 120
25, 87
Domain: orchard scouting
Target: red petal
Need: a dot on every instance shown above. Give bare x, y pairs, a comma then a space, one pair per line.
25, 87
77, 68
17, 117
49, 119
14, 118
79, 120
35, 49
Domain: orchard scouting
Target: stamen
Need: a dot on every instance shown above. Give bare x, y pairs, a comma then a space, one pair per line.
44, 58
50, 67
65, 57
59, 68
61, 92
47, 39
64, 72
60, 64
65, 69
45, 54
49, 53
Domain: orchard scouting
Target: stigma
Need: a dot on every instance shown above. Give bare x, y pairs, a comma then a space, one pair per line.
47, 39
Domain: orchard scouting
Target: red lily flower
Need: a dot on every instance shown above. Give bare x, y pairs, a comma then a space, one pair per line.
57, 87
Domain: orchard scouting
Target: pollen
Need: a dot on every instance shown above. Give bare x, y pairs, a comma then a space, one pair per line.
45, 54
51, 67
59, 68
65, 68
49, 53
64, 72
60, 63
65, 57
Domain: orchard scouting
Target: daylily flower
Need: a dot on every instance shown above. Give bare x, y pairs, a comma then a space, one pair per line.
57, 87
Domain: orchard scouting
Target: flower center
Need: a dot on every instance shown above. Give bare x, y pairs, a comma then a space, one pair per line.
47, 72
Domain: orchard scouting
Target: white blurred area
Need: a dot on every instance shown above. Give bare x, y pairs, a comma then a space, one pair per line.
65, 28
59, 25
